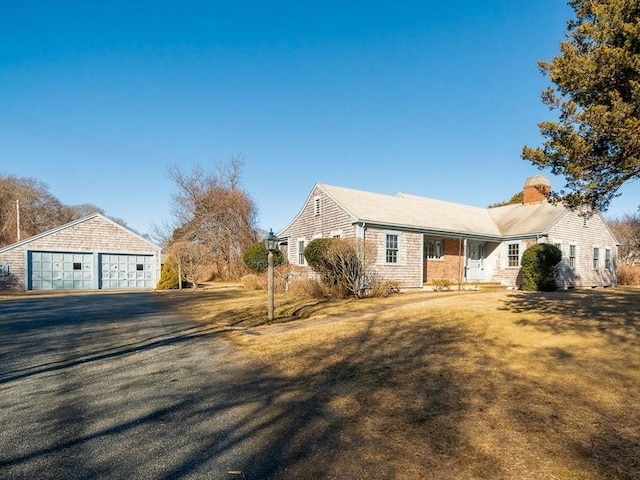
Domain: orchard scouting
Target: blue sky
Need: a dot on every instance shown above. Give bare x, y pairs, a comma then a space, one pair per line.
434, 98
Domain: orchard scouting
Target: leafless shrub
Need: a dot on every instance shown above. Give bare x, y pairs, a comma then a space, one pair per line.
442, 284
254, 281
308, 287
382, 288
628, 274
627, 231
192, 258
350, 260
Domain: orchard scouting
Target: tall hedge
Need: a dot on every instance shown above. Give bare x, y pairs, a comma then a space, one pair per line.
539, 269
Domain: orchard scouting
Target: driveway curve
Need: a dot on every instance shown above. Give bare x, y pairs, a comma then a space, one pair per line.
111, 385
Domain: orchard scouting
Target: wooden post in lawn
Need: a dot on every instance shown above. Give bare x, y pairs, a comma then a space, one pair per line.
270, 284
270, 245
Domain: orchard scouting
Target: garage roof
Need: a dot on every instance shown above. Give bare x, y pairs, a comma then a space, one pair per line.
71, 224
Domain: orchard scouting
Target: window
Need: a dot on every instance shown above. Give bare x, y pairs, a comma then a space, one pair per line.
316, 206
300, 252
77, 266
596, 258
391, 247
433, 249
139, 267
513, 254
4, 269
607, 258
572, 256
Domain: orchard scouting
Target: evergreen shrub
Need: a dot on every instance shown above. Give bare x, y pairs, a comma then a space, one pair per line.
255, 257
539, 267
169, 275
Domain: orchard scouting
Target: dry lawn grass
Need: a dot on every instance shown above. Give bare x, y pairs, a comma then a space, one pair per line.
451, 385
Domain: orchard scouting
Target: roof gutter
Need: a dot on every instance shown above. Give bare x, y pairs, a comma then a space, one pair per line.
450, 233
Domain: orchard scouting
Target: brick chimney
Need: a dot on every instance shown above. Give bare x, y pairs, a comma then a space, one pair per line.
535, 189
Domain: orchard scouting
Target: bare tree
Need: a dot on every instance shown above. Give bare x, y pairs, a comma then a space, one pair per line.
213, 210
38, 209
627, 230
74, 212
192, 259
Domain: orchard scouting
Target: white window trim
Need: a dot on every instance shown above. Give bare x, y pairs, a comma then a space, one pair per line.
609, 254
599, 266
299, 253
575, 257
336, 233
398, 250
506, 250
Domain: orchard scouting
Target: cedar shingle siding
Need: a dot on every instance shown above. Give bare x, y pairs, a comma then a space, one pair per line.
96, 235
475, 241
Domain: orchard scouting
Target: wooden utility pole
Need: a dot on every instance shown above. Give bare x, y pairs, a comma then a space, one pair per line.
18, 219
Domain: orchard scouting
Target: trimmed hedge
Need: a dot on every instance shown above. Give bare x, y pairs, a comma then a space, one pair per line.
539, 267
315, 253
255, 257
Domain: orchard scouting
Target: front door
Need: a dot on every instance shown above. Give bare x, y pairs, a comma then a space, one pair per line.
475, 261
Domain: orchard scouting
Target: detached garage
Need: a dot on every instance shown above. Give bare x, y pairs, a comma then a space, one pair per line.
93, 252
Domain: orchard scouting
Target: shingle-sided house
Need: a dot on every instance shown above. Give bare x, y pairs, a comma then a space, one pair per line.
93, 252
420, 240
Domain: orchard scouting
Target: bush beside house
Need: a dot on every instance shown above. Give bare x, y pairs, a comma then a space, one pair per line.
539, 267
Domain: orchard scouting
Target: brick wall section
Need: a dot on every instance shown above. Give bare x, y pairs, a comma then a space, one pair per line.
93, 235
534, 193
451, 266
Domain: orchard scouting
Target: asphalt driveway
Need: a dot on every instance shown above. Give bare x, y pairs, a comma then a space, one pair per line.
111, 385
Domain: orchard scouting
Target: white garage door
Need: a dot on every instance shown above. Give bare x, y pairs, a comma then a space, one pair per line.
126, 271
60, 271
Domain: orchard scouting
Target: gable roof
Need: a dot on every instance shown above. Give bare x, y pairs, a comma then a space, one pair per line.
412, 212
526, 219
71, 224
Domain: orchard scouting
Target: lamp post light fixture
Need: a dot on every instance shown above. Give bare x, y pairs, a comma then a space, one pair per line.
271, 245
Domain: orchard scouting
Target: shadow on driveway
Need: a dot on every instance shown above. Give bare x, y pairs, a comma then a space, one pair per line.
109, 385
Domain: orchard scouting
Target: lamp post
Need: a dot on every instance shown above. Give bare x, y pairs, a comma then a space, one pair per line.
271, 245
